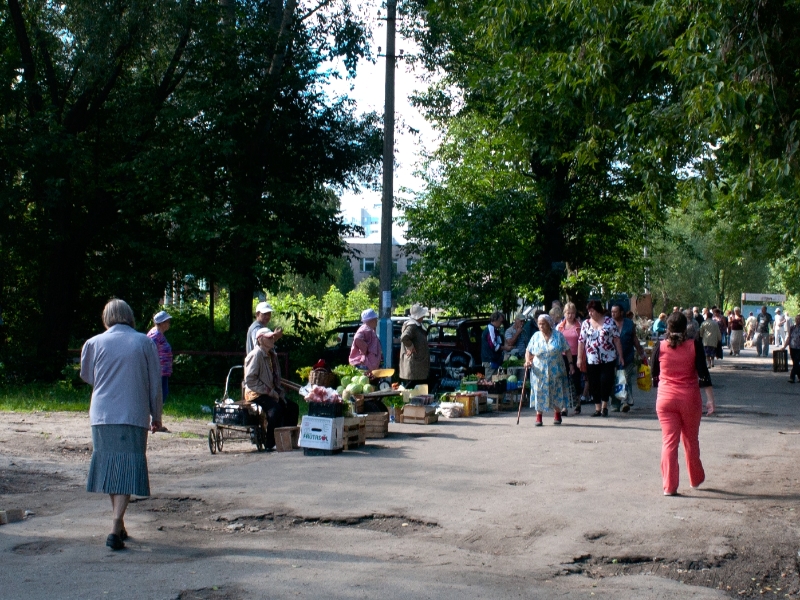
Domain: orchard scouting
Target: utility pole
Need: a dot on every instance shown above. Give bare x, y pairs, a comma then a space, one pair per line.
385, 325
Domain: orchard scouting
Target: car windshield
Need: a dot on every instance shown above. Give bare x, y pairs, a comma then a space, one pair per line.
443, 334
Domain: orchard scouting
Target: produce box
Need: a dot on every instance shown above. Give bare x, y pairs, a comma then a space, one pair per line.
416, 412
474, 402
355, 432
377, 425
469, 386
427, 420
331, 410
287, 438
321, 433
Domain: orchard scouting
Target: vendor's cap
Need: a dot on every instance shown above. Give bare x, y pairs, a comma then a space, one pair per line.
418, 312
368, 314
160, 317
264, 332
263, 308
520, 317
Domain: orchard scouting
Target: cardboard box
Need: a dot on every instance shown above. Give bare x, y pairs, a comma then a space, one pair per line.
287, 438
417, 412
321, 433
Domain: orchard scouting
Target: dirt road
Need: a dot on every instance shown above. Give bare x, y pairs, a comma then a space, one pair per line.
467, 508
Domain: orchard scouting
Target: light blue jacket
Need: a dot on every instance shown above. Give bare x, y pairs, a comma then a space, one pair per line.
122, 366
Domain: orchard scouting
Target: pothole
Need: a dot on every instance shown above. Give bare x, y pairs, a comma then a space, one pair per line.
176, 505
749, 573
21, 481
38, 547
517, 483
214, 593
393, 524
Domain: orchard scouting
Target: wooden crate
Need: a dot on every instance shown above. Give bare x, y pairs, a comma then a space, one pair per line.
426, 420
355, 432
508, 401
377, 425
287, 438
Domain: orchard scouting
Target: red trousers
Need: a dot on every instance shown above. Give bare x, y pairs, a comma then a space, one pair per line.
679, 415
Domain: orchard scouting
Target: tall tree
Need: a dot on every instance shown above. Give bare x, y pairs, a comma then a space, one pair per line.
85, 84
555, 78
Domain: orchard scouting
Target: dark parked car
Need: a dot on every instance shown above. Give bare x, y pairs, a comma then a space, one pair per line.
456, 336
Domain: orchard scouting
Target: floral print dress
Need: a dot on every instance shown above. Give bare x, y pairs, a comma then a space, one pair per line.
548, 374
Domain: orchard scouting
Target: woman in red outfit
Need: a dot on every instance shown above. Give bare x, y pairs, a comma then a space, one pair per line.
679, 371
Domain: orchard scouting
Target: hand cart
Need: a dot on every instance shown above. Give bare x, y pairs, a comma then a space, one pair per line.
235, 421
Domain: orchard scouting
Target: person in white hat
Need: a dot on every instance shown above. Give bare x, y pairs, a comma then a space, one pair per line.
262, 378
263, 317
415, 358
161, 322
366, 352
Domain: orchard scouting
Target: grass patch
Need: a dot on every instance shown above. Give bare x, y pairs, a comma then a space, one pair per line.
182, 402
188, 435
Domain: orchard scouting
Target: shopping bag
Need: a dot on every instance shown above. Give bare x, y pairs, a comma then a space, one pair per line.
620, 393
643, 380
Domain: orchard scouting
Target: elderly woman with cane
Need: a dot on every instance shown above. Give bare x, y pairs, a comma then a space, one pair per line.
679, 371
123, 369
548, 374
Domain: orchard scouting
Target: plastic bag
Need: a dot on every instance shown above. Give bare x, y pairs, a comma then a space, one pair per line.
620, 393
644, 381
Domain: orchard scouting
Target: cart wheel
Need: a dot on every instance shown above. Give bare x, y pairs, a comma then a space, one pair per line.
212, 442
220, 440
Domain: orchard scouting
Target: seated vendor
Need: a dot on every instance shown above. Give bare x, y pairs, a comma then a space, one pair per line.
366, 351
262, 377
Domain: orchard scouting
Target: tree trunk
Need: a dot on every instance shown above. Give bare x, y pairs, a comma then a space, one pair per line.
241, 311
558, 196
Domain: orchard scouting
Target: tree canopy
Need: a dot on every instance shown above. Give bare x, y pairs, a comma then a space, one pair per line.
144, 141
608, 108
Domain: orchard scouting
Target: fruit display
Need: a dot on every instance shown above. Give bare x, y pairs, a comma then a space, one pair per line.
317, 393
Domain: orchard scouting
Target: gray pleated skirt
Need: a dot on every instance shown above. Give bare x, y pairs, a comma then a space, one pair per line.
119, 463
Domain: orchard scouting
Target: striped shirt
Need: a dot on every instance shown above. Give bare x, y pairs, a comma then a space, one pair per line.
164, 351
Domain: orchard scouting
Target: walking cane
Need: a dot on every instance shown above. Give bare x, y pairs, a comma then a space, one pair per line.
522, 393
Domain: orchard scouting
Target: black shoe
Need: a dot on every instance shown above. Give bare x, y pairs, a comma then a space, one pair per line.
577, 410
123, 535
605, 412
597, 413
114, 542
626, 407
791, 381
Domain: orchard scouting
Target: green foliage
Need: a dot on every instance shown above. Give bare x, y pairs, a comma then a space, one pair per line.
534, 179
146, 142
618, 109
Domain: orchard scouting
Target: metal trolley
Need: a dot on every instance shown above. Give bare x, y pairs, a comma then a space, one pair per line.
234, 421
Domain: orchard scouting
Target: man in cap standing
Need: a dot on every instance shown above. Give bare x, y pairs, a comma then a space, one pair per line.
366, 352
263, 316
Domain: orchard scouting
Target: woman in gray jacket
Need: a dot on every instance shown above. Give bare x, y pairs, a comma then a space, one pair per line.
123, 368
415, 358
